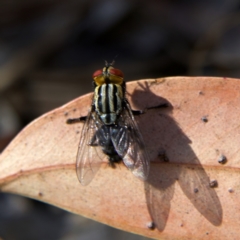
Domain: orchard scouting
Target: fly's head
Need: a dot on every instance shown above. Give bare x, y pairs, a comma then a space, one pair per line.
108, 74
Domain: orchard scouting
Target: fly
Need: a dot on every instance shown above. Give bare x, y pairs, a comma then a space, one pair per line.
110, 129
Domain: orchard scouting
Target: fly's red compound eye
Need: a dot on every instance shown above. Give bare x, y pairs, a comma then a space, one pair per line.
115, 72
98, 77
115, 75
97, 73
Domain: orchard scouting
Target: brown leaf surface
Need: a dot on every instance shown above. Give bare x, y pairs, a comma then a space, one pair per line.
201, 125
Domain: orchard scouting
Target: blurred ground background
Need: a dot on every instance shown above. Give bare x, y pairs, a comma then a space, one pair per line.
50, 48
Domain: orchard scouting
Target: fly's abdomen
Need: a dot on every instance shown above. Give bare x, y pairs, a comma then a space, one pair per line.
108, 102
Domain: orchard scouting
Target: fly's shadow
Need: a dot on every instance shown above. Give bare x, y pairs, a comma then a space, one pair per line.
163, 135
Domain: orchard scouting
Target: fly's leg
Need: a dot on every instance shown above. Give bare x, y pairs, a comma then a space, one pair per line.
80, 119
139, 112
93, 142
76, 120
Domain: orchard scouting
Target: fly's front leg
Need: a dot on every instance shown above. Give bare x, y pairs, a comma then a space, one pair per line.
80, 119
139, 112
76, 120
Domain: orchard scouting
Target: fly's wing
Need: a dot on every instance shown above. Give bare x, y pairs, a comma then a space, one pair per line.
90, 155
128, 143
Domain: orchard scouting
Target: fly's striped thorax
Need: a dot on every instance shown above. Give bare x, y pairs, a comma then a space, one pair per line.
108, 100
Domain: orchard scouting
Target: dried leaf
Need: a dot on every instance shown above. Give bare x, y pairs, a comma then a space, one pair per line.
185, 142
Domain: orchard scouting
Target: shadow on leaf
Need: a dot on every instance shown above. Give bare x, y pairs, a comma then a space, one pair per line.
161, 132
